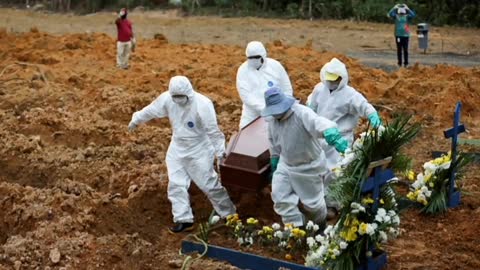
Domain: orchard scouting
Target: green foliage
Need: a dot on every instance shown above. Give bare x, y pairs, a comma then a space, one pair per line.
437, 12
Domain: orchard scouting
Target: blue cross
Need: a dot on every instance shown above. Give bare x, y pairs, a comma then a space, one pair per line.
454, 195
374, 184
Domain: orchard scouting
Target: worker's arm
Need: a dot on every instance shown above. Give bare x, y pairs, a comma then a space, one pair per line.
359, 105
247, 94
209, 121
410, 14
275, 148
314, 124
285, 84
321, 127
312, 102
156, 109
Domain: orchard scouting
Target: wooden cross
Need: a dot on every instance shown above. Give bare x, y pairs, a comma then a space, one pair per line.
454, 195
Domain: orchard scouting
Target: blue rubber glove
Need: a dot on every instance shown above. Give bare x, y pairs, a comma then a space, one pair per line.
375, 120
274, 163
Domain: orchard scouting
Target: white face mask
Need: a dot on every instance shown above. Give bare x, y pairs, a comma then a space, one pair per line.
255, 63
180, 100
332, 85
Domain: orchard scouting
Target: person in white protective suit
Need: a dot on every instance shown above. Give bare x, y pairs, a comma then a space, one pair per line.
254, 77
297, 159
196, 140
335, 100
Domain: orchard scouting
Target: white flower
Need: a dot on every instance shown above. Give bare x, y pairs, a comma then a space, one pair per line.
371, 228
421, 197
278, 234
240, 240
282, 244
396, 220
336, 252
249, 240
311, 242
428, 193
445, 166
357, 207
214, 220
386, 219
328, 230
316, 227
424, 189
343, 245
309, 225
276, 226
430, 168
391, 213
382, 212
322, 250
383, 237
319, 238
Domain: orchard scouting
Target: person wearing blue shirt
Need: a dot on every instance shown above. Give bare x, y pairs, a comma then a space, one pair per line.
402, 16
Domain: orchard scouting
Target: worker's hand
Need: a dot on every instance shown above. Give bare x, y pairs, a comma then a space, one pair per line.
134, 43
131, 126
274, 163
375, 120
341, 145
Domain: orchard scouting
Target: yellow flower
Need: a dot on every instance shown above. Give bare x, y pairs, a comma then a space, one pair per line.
411, 196
382, 201
431, 184
349, 235
427, 178
422, 201
267, 230
367, 201
288, 256
411, 175
298, 233
362, 229
252, 221
288, 226
232, 220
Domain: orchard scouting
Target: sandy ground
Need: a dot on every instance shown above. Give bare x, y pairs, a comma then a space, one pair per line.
73, 180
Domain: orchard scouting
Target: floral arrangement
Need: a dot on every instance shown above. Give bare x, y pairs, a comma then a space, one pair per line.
430, 188
363, 224
285, 239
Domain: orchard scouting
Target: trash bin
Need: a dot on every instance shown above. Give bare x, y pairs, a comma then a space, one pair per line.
422, 33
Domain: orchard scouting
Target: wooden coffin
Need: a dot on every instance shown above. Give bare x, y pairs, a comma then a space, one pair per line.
247, 165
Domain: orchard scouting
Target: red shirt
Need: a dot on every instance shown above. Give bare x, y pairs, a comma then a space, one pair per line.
124, 29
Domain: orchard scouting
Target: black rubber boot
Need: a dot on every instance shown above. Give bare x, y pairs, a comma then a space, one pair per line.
181, 227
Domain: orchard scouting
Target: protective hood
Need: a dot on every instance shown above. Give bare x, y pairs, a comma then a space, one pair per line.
256, 48
335, 66
180, 85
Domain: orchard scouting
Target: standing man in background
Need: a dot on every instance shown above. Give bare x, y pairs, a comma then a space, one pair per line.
125, 39
254, 77
402, 16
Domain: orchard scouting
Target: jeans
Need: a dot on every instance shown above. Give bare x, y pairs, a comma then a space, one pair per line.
402, 45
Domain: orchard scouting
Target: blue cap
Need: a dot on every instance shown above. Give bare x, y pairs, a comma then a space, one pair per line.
276, 102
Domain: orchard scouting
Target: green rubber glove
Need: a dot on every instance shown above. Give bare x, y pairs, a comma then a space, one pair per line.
341, 145
274, 163
331, 135
375, 120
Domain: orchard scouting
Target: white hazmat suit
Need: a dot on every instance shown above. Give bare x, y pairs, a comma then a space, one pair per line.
344, 106
302, 166
254, 77
196, 140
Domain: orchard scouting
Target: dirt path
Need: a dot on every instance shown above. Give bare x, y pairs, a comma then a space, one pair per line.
371, 43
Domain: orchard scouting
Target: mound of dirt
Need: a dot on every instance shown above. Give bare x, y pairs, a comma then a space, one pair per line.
78, 191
